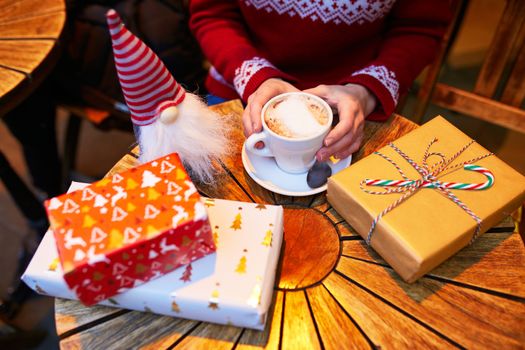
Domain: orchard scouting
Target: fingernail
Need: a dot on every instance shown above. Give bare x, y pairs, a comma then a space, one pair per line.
327, 142
321, 156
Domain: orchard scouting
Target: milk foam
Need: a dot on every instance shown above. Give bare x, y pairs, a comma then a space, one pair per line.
296, 117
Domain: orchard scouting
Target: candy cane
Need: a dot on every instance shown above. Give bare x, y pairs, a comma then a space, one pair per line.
437, 184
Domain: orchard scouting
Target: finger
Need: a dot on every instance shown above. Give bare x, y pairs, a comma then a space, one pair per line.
258, 100
320, 90
354, 146
343, 154
255, 113
341, 145
347, 116
247, 122
358, 139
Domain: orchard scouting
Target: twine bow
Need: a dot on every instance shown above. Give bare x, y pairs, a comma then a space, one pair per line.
429, 179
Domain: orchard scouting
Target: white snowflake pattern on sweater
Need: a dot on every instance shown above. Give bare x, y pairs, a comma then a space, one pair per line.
247, 70
346, 11
385, 77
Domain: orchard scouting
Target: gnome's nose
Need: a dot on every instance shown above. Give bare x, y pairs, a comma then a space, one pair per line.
169, 115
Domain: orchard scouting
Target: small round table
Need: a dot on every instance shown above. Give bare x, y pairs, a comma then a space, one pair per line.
29, 35
333, 291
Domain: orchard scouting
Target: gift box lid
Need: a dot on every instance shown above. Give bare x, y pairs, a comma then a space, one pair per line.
420, 232
232, 286
124, 209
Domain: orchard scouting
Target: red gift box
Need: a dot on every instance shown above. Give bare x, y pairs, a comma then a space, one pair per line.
124, 230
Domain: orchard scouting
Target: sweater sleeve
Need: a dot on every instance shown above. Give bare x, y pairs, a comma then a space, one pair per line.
412, 36
222, 34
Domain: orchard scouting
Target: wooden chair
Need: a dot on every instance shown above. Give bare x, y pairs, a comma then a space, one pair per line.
101, 111
499, 90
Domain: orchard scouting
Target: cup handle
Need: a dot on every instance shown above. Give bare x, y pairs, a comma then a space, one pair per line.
253, 139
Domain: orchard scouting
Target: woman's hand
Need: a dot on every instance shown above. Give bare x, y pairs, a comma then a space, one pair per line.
354, 103
251, 118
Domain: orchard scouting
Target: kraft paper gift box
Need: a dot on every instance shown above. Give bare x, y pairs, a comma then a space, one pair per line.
430, 224
124, 230
233, 286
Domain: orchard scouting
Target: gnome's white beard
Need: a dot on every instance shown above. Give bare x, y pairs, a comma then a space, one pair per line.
198, 135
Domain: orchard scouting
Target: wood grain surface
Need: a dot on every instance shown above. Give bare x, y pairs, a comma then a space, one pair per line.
484, 108
130, 330
461, 314
299, 329
501, 48
311, 248
494, 262
384, 325
334, 292
514, 91
29, 34
68, 319
335, 326
9, 78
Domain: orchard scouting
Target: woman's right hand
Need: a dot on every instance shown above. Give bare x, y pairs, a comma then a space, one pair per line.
251, 118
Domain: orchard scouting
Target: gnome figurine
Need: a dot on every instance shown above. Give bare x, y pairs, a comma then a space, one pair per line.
166, 118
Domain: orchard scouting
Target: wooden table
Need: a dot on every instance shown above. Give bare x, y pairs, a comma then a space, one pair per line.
334, 291
29, 49
29, 34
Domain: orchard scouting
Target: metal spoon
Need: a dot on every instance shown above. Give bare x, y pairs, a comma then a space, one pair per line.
318, 174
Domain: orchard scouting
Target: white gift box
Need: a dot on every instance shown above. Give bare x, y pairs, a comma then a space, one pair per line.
233, 286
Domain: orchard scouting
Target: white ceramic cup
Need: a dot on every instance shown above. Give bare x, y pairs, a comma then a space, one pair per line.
292, 155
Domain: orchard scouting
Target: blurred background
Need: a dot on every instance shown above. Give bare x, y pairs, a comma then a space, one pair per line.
99, 150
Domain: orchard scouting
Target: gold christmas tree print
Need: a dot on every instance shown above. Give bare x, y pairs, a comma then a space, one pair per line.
241, 266
236, 225
267, 241
175, 307
115, 239
186, 275
214, 299
54, 264
186, 241
216, 236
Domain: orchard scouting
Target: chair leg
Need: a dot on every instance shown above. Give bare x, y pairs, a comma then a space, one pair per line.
424, 95
34, 212
25, 200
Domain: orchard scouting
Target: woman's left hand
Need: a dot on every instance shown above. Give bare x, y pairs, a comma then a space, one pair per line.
354, 103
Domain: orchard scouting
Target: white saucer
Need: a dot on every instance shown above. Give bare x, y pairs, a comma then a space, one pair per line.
266, 173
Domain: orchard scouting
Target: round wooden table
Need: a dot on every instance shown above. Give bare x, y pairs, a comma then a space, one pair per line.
29, 34
334, 292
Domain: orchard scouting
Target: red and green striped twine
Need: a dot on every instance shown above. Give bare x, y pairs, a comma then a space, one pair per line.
436, 184
429, 180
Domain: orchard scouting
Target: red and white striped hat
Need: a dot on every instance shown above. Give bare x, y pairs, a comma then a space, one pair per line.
148, 86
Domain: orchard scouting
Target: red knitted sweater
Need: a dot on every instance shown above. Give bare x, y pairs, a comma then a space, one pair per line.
380, 44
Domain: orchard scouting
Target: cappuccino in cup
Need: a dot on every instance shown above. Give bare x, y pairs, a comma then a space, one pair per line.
296, 116
294, 127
